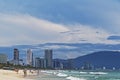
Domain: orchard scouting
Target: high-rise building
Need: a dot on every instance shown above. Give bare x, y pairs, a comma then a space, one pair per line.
57, 64
48, 58
16, 57
29, 57
3, 58
40, 63
16, 54
37, 62
21, 62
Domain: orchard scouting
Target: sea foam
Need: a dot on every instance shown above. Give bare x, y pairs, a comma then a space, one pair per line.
62, 75
74, 78
83, 72
97, 73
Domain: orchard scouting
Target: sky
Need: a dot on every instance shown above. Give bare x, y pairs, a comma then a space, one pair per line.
59, 21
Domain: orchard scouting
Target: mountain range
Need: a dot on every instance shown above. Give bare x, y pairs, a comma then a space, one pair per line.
106, 59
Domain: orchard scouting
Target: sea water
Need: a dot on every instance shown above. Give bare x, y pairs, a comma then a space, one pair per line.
79, 75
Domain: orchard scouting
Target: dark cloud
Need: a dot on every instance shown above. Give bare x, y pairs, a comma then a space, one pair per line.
113, 38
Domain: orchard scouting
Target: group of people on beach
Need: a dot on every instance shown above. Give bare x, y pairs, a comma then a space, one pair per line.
25, 72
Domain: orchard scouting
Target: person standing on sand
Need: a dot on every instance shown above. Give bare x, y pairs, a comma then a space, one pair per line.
25, 72
17, 70
38, 72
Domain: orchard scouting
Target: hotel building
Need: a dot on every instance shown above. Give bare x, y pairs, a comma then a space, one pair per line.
48, 58
29, 60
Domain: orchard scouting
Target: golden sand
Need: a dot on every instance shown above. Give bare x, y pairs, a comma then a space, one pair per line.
12, 75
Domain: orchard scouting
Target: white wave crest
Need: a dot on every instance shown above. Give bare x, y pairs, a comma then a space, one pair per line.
74, 78
48, 72
97, 73
62, 75
83, 72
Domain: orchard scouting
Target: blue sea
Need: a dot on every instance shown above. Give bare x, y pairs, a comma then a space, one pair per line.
79, 75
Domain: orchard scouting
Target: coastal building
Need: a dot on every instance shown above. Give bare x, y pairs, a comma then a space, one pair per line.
87, 66
113, 68
3, 58
48, 58
57, 64
16, 54
37, 62
70, 65
40, 63
16, 57
21, 62
104, 68
29, 60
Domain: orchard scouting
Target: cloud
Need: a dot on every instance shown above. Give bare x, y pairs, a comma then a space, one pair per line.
26, 29
86, 34
59, 47
98, 14
113, 37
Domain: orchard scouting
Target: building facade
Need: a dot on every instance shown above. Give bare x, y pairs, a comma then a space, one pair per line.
16, 57
40, 63
37, 62
48, 58
3, 58
29, 60
16, 54
57, 64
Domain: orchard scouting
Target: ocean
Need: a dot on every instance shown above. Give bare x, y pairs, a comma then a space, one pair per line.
79, 75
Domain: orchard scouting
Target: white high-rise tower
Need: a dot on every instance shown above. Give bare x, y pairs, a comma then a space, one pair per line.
29, 57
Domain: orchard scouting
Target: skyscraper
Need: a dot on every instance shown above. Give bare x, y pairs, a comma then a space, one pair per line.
16, 57
48, 58
29, 57
16, 54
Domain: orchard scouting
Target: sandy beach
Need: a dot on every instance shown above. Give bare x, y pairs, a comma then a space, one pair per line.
12, 75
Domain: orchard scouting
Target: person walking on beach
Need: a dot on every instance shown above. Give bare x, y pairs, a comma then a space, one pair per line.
38, 72
17, 70
25, 72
